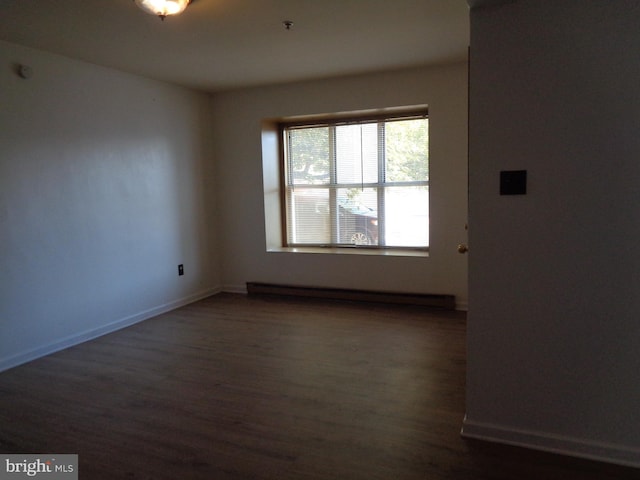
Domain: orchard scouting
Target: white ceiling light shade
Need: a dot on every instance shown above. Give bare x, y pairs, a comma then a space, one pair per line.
163, 8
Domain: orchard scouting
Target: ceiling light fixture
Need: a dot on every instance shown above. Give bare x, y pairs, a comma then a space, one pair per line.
163, 8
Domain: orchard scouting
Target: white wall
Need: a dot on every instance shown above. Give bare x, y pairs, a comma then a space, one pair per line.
104, 189
553, 329
238, 116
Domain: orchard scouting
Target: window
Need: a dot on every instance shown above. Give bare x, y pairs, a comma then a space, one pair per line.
357, 183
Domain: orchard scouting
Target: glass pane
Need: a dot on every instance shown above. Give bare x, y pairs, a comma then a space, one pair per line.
309, 156
357, 153
406, 211
308, 216
357, 216
407, 150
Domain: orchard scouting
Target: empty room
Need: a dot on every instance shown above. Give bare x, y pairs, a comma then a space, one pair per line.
293, 239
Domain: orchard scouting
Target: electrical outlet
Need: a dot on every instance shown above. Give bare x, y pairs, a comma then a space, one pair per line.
181, 269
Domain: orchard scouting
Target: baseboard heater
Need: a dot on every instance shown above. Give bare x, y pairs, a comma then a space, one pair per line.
428, 300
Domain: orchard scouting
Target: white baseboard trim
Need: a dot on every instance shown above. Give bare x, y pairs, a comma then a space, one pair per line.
70, 341
235, 288
548, 442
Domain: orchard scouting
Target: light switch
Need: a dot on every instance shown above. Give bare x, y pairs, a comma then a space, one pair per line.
513, 182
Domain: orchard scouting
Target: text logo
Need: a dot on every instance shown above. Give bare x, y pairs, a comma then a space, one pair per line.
40, 466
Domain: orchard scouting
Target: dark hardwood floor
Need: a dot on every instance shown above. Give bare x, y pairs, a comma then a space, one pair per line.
237, 387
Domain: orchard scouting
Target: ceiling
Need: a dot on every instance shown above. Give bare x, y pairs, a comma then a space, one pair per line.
222, 44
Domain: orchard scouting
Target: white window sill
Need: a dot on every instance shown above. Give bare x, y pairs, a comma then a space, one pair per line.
351, 251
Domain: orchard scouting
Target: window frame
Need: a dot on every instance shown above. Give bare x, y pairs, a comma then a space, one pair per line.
418, 112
